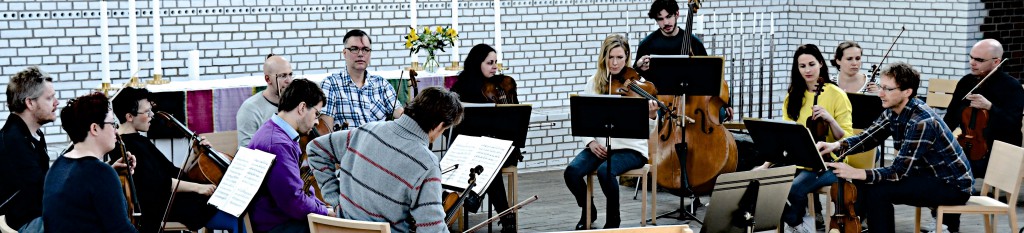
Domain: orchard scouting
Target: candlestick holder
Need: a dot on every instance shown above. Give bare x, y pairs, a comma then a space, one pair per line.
416, 66
157, 80
134, 82
501, 68
106, 88
454, 67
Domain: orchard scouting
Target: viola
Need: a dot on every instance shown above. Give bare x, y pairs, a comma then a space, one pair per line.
974, 121
845, 219
500, 89
305, 172
875, 68
128, 186
818, 127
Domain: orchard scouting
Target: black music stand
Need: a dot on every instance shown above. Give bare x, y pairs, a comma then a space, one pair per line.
682, 75
784, 142
866, 109
748, 201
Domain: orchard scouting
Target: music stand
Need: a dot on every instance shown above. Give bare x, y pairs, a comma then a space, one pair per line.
682, 75
866, 109
784, 142
748, 201
609, 116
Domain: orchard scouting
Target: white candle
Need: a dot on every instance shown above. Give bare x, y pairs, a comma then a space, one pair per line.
104, 42
412, 14
700, 24
455, 26
497, 28
133, 40
157, 55
772, 24
193, 64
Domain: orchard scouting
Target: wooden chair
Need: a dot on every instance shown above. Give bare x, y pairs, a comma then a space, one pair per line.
226, 142
940, 92
1005, 172
639, 172
324, 224
512, 187
653, 229
4, 228
863, 160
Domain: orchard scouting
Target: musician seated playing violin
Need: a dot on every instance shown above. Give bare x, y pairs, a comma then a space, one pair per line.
930, 168
155, 175
626, 154
478, 83
81, 193
281, 205
831, 108
389, 173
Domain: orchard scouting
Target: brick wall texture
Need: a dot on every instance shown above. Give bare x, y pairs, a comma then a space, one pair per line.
550, 45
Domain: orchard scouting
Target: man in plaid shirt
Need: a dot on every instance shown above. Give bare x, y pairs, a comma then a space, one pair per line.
353, 95
930, 168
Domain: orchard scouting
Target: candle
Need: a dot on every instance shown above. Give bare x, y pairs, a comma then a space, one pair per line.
497, 28
700, 24
104, 42
455, 26
133, 40
157, 55
772, 24
193, 64
412, 14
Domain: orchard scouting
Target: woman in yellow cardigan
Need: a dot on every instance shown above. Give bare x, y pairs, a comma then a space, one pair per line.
833, 108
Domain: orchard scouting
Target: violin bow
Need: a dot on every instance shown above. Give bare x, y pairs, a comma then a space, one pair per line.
880, 63
986, 78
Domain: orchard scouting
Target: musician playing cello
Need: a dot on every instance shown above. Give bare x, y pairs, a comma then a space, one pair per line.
480, 69
155, 175
626, 154
999, 95
281, 205
930, 168
390, 174
832, 107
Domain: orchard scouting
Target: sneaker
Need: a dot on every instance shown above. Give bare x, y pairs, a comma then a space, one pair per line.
807, 226
931, 229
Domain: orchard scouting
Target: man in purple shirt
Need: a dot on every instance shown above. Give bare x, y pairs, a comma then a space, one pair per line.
281, 205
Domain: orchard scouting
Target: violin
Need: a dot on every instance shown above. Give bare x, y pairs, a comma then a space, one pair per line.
451, 205
128, 187
875, 68
305, 172
974, 121
500, 89
844, 196
818, 127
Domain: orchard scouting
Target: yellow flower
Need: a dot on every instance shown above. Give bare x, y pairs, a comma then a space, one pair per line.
413, 37
452, 33
426, 30
439, 29
412, 31
408, 44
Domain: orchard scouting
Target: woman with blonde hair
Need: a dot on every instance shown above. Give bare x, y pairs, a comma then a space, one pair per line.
626, 154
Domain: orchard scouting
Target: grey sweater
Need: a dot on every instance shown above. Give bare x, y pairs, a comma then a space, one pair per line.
385, 173
255, 111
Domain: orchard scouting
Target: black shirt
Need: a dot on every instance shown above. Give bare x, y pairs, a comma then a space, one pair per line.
23, 166
84, 195
1007, 99
659, 44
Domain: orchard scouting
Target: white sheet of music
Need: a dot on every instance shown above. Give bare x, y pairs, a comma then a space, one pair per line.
470, 151
240, 183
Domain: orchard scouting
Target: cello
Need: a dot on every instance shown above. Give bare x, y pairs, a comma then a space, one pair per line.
673, 151
974, 121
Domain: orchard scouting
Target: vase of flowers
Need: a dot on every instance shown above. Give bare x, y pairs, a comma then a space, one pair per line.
431, 41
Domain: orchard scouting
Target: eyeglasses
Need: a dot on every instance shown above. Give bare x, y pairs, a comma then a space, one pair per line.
982, 59
114, 124
886, 89
356, 50
148, 113
284, 75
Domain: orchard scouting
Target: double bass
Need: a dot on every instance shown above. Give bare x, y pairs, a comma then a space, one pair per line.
707, 147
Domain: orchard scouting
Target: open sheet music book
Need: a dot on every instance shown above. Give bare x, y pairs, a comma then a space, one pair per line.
470, 151
240, 183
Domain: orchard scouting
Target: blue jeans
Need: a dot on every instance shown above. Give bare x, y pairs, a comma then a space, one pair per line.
587, 162
225, 221
804, 183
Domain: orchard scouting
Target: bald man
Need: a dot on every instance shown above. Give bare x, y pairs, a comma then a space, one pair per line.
260, 107
1001, 95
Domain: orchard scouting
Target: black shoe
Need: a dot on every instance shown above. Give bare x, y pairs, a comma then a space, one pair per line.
508, 223
613, 222
581, 225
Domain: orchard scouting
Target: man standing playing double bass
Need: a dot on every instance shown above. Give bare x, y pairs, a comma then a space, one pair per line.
999, 95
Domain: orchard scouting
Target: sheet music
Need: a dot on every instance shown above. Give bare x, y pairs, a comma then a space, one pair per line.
470, 151
240, 183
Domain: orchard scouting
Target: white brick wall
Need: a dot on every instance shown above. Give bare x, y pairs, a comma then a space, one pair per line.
551, 45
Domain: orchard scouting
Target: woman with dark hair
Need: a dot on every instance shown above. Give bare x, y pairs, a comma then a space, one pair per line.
81, 193
480, 72
833, 108
848, 61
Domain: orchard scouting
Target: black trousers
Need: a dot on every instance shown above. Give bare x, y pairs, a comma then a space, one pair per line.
877, 200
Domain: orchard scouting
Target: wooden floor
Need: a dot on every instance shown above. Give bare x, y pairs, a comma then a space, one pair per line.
556, 210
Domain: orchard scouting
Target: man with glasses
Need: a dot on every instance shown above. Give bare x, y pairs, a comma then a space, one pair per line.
24, 161
1001, 95
154, 174
258, 108
930, 168
282, 204
353, 95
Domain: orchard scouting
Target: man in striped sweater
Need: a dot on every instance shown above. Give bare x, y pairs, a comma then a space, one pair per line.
384, 171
